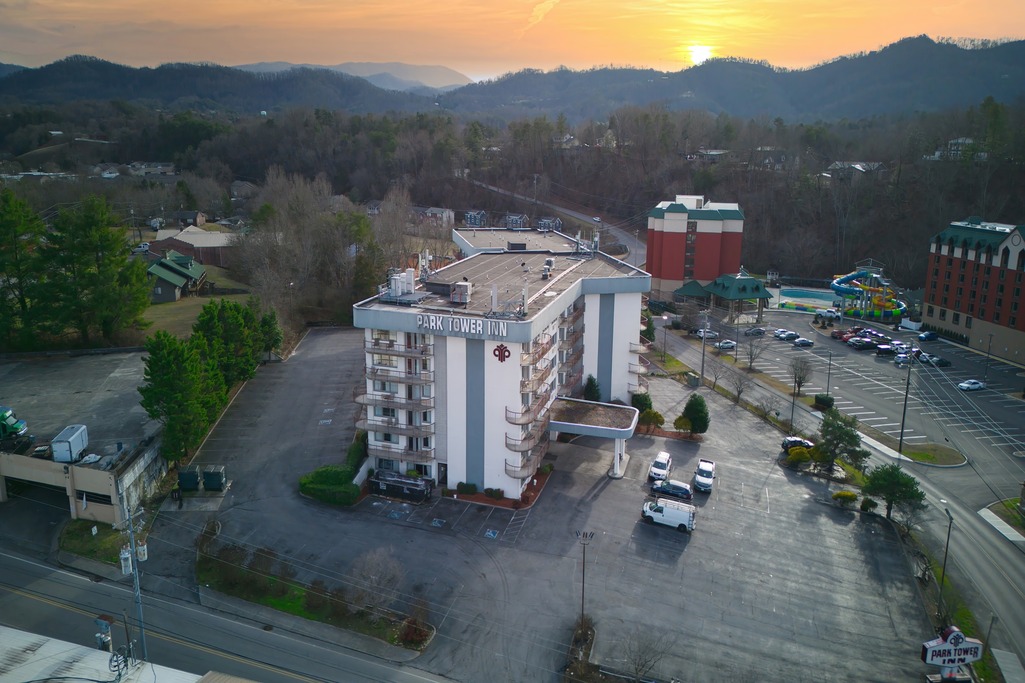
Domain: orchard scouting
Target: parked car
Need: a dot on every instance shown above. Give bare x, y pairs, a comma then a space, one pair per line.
861, 344
778, 334
794, 442
938, 361
839, 334
885, 350
755, 332
707, 334
660, 467
704, 475
901, 359
790, 336
801, 341
971, 385
672, 488
928, 336
725, 345
899, 346
669, 512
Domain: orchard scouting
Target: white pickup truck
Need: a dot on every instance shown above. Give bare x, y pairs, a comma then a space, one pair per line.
670, 512
704, 475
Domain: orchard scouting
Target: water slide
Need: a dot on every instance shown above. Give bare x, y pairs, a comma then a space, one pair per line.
883, 303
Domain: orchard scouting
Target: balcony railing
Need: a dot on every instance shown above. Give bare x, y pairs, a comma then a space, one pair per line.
536, 381
422, 455
538, 351
637, 347
388, 347
574, 336
528, 414
528, 465
574, 358
640, 388
637, 369
533, 437
572, 317
421, 377
391, 425
385, 400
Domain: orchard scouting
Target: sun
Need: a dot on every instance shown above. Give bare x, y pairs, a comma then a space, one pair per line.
699, 53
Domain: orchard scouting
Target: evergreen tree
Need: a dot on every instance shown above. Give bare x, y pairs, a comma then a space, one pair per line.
895, 486
271, 335
21, 233
233, 336
592, 390
174, 393
839, 438
696, 412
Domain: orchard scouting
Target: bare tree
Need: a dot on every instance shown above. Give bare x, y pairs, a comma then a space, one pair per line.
643, 649
717, 370
801, 371
374, 577
908, 514
739, 381
753, 348
768, 405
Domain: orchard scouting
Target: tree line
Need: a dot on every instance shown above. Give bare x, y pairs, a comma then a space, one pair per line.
187, 382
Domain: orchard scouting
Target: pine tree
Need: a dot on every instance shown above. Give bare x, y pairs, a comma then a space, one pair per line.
174, 393
696, 412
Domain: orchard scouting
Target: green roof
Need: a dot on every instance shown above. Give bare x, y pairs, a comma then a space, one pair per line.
698, 214
740, 286
692, 288
158, 270
186, 266
976, 233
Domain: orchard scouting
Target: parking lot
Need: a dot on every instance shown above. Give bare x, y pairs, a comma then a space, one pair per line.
775, 583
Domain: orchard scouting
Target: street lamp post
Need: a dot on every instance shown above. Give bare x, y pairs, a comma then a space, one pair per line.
793, 405
584, 537
704, 333
940, 614
904, 414
989, 354
665, 336
829, 371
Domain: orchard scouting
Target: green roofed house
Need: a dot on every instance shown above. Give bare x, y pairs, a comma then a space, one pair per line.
174, 276
738, 293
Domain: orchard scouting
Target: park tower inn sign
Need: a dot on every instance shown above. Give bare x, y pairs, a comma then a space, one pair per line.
459, 325
951, 650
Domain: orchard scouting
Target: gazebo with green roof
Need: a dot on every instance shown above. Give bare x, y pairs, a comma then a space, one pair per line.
731, 291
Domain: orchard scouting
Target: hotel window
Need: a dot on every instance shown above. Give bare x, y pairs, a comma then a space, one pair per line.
692, 226
384, 412
946, 288
968, 322
956, 318
944, 302
386, 387
971, 309
385, 361
943, 314
1000, 289
1012, 321
960, 278
935, 272
386, 464
691, 238
946, 275
423, 470
996, 316
929, 312
959, 291
963, 264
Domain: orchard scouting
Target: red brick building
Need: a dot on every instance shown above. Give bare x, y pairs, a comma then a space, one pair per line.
692, 239
974, 283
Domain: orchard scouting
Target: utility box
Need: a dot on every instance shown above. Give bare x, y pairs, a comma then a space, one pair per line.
394, 485
188, 478
692, 380
69, 444
214, 478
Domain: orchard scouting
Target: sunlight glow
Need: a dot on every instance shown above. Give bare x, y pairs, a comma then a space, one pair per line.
699, 53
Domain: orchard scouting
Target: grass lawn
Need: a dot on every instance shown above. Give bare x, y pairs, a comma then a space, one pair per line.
1007, 510
77, 538
177, 317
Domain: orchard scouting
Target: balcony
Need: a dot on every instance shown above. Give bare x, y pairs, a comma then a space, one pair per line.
528, 413
529, 464
538, 432
640, 388
538, 351
388, 347
377, 450
385, 400
385, 374
574, 358
536, 380
637, 347
574, 336
571, 319
391, 425
572, 384
637, 369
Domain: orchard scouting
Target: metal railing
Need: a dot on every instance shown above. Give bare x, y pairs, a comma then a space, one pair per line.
387, 400
637, 369
416, 377
572, 317
528, 413
529, 464
391, 425
537, 379
538, 351
422, 455
388, 347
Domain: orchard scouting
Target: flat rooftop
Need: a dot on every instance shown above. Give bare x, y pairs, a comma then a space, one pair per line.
493, 239
509, 273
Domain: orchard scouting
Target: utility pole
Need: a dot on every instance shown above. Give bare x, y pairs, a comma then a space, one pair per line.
704, 332
989, 354
130, 558
904, 414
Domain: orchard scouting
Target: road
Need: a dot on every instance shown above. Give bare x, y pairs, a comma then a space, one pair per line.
37, 598
987, 568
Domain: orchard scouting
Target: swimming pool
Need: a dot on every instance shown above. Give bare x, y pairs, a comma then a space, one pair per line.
808, 294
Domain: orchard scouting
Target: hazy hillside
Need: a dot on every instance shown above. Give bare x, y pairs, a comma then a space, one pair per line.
6, 69
181, 86
388, 75
913, 75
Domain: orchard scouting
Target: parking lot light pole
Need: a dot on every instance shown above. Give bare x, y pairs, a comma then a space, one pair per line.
829, 371
904, 414
704, 330
665, 336
584, 537
940, 614
793, 405
989, 354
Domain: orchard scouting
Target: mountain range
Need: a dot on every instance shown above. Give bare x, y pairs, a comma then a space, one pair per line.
911, 75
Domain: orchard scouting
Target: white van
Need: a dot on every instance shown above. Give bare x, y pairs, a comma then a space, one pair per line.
669, 512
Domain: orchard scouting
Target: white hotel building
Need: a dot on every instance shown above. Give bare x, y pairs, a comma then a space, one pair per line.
463, 364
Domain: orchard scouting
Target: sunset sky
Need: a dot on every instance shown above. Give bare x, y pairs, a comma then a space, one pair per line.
485, 38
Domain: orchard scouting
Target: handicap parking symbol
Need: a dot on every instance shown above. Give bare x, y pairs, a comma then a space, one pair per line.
491, 533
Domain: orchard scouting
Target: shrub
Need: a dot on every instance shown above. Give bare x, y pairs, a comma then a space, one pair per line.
845, 498
316, 596
446, 492
868, 505
357, 452
330, 484
463, 487
497, 494
797, 456
413, 473
824, 401
413, 632
641, 402
526, 497
547, 468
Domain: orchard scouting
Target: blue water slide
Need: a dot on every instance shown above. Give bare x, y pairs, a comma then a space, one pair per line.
841, 287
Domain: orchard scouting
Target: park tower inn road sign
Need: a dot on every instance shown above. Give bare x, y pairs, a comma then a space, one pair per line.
951, 649
462, 325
